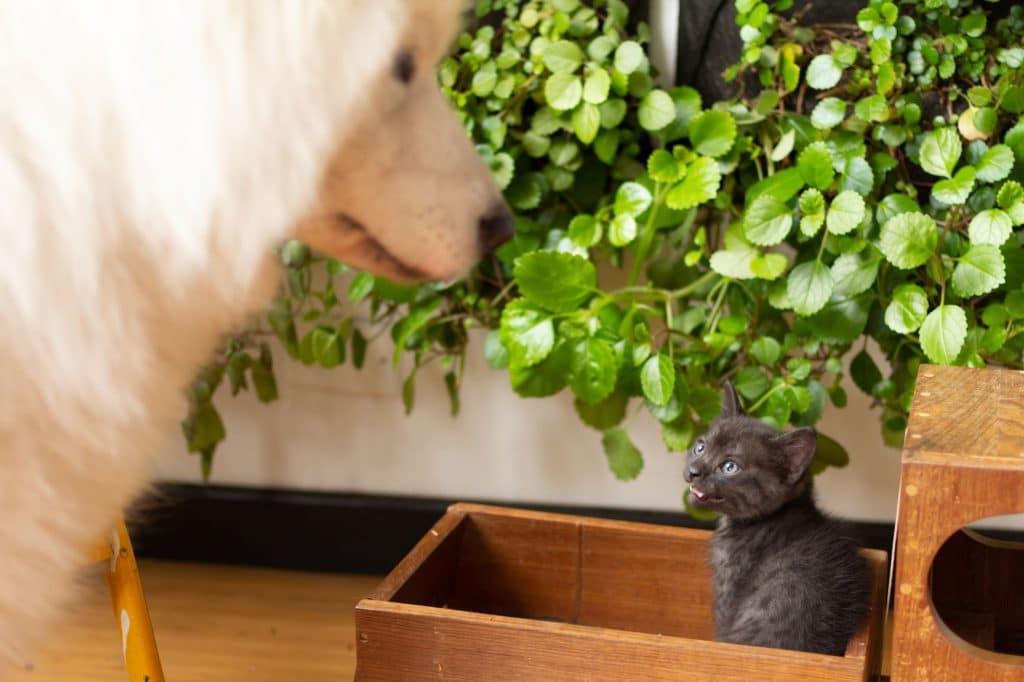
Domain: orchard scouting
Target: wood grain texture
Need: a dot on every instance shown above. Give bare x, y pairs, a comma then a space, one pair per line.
214, 624
631, 601
963, 461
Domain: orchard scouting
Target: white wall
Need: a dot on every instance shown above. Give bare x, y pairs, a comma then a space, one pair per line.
344, 430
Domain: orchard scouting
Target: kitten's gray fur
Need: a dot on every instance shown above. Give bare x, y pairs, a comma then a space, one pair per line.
785, 575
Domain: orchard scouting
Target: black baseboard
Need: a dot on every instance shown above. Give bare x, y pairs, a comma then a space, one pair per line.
333, 532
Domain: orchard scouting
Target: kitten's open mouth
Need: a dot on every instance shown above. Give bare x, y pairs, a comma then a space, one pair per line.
383, 261
703, 498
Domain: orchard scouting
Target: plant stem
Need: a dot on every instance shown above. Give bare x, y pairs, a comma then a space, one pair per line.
640, 257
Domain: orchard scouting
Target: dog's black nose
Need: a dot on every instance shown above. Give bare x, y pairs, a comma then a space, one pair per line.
692, 472
496, 227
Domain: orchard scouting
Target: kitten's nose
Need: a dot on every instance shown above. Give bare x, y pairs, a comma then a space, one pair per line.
692, 472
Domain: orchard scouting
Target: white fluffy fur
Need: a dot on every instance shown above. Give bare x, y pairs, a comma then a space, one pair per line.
151, 156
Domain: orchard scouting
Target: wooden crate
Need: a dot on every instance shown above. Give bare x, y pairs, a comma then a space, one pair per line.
958, 611
502, 594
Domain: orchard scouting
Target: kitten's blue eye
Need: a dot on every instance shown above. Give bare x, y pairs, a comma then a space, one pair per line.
730, 467
699, 447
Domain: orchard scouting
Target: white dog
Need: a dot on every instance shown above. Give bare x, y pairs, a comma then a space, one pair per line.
152, 155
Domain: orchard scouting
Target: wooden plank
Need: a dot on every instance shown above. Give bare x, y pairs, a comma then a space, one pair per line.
967, 417
650, 580
455, 645
867, 643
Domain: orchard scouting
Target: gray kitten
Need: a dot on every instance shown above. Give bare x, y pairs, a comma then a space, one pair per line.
785, 575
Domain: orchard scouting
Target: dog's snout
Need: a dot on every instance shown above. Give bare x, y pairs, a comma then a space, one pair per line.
496, 227
692, 472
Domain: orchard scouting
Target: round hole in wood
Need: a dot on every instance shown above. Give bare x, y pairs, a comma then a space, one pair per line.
976, 585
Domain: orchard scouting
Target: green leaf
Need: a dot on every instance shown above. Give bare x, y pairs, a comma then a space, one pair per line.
596, 85
908, 239
943, 333
865, 372
768, 266
204, 428
990, 227
359, 344
563, 56
586, 122
362, 285
812, 206
735, 263
605, 414
263, 379
624, 459
592, 370
494, 351
527, 333
955, 190
828, 113
845, 213
559, 282
767, 221
585, 231
784, 146
712, 133
996, 164
855, 273
783, 185
563, 91
857, 176
907, 310
622, 230
656, 110
823, 72
629, 57
632, 198
409, 392
700, 185
830, 453
751, 383
815, 165
678, 435
327, 349
612, 112
809, 287
766, 350
940, 152
658, 378
979, 271
663, 167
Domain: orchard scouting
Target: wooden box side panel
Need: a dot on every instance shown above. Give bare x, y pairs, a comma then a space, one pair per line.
518, 566
652, 580
426, 574
407, 642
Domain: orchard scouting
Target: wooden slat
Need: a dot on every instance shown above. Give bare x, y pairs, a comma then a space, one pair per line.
967, 417
456, 645
654, 580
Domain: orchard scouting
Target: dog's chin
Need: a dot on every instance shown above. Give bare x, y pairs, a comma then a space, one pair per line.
367, 253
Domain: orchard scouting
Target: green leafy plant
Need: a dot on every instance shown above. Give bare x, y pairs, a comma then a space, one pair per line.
864, 184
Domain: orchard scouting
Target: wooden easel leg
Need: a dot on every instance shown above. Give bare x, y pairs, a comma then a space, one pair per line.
138, 643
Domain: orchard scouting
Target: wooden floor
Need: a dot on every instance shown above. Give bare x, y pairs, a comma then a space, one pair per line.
217, 623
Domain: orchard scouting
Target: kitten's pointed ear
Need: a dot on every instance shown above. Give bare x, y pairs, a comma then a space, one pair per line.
730, 402
799, 447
